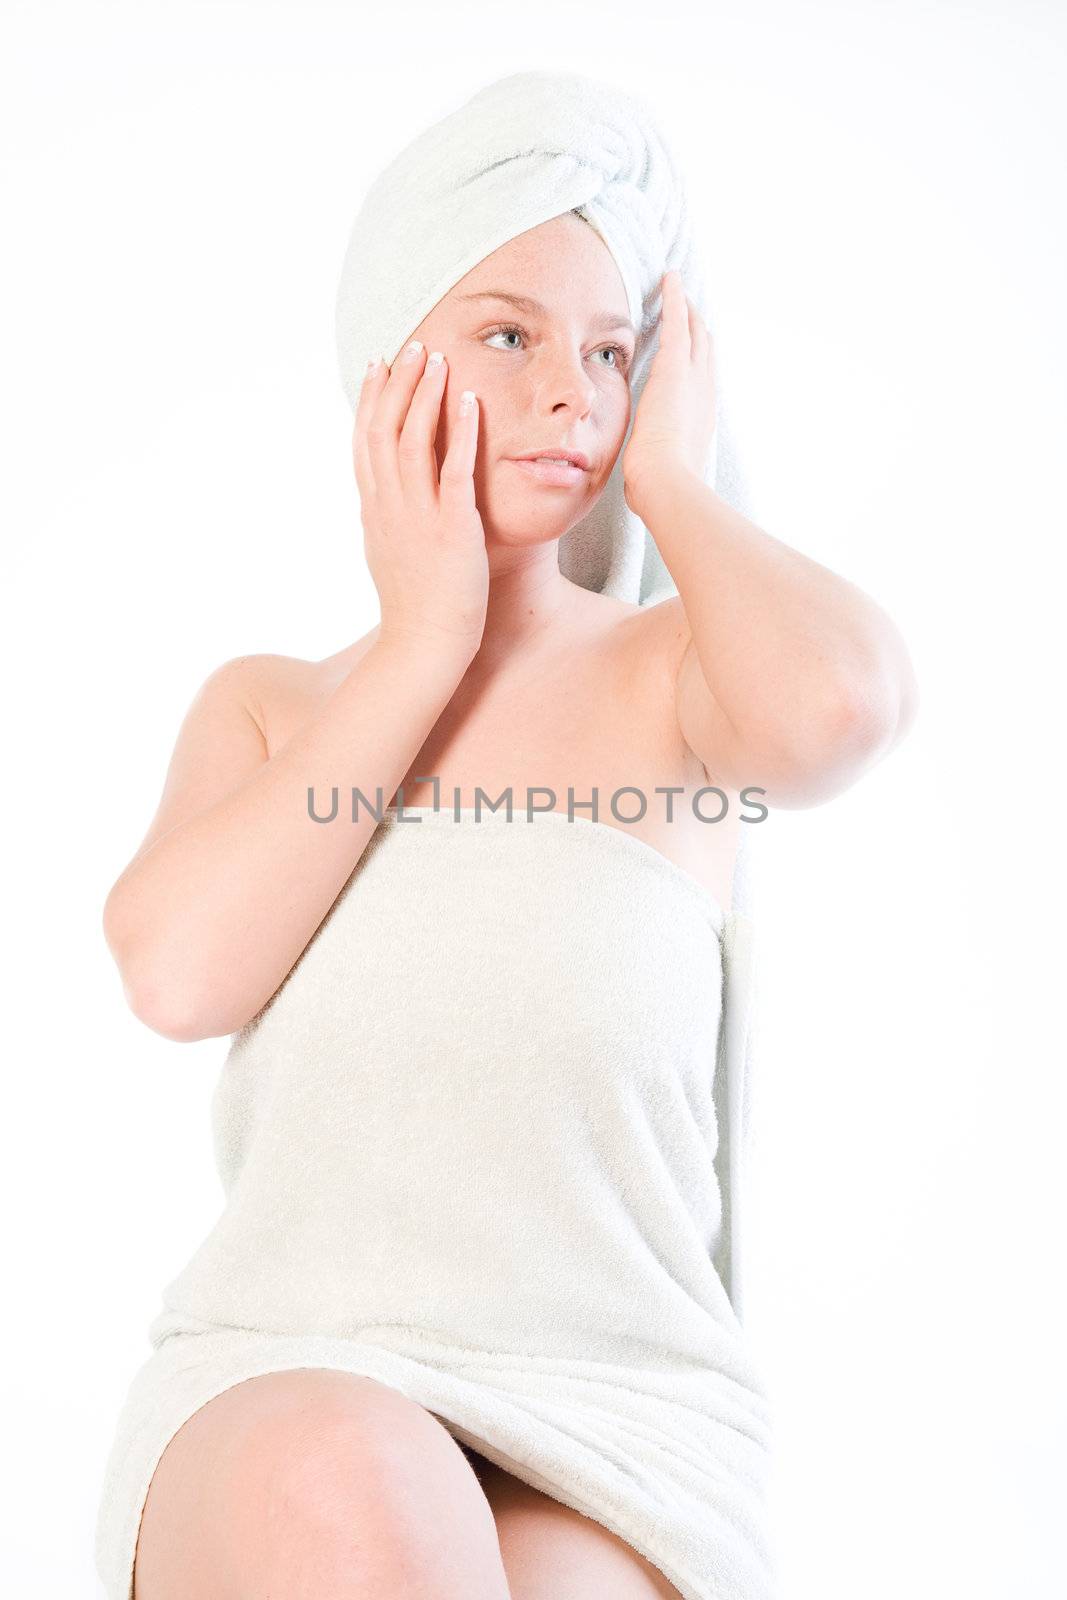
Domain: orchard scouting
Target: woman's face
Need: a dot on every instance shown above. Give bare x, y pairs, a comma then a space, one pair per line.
550, 378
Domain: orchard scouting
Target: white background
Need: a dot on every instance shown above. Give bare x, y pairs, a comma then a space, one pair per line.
885, 201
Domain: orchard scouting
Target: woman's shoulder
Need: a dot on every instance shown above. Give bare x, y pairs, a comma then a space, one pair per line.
300, 672
280, 688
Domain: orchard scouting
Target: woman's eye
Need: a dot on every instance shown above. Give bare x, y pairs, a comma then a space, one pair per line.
619, 363
497, 332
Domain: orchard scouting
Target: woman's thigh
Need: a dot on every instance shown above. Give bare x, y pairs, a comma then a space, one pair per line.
550, 1550
317, 1485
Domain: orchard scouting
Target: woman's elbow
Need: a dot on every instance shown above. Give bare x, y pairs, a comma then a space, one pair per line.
160, 1007
156, 997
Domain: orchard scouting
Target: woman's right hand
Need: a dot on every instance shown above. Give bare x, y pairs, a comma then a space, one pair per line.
423, 535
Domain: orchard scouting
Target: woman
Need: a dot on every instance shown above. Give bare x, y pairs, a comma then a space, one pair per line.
458, 1331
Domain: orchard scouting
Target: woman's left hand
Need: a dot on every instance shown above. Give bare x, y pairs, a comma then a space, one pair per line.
675, 420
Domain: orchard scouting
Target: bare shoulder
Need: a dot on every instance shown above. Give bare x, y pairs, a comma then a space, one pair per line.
660, 634
279, 690
666, 628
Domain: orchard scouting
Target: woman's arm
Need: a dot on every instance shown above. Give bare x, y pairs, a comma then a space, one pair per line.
790, 677
234, 876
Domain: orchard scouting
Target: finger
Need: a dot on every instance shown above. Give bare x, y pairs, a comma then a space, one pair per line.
415, 449
383, 430
374, 380
699, 337
673, 332
457, 468
688, 316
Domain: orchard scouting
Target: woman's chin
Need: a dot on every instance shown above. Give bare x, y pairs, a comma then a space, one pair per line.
525, 530
526, 522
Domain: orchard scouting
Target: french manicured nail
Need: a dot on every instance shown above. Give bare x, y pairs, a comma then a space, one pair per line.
413, 351
436, 358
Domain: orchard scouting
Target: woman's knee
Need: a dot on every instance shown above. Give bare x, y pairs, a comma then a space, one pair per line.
385, 1492
320, 1483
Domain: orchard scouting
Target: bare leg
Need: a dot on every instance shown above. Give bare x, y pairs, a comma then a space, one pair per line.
316, 1485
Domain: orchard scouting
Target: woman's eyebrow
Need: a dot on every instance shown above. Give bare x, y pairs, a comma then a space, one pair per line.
605, 322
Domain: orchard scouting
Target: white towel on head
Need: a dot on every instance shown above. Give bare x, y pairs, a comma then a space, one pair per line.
521, 151
524, 149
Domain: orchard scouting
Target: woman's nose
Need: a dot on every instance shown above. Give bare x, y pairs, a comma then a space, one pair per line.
564, 381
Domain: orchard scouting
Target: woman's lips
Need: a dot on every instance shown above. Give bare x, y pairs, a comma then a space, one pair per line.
562, 475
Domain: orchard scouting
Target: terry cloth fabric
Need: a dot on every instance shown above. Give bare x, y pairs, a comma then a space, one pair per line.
468, 1150
500, 1170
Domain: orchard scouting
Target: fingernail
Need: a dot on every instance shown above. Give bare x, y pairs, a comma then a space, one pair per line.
413, 351
466, 402
436, 358
372, 365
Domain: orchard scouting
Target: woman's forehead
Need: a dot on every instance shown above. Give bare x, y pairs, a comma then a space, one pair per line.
559, 264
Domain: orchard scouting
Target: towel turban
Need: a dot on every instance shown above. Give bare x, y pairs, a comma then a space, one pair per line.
521, 151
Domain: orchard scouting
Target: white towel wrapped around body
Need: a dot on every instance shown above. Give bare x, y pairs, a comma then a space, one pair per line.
467, 1150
